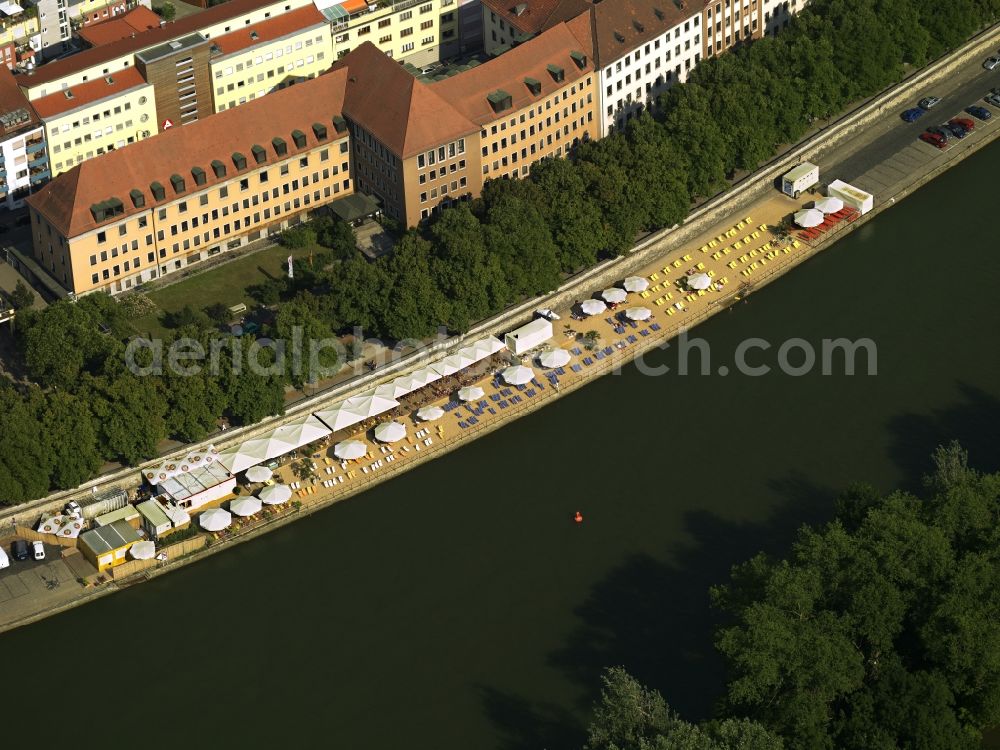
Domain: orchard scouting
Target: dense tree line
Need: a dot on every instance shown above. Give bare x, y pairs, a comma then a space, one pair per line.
880, 630
517, 240
86, 407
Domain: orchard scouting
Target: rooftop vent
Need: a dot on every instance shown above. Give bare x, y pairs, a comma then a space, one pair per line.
239, 161
620, 37
557, 73
178, 183
280, 147
158, 191
319, 130
68, 93
299, 138
638, 26
175, 45
253, 35
219, 168
138, 199
520, 9
658, 13
109, 80
199, 175
259, 154
579, 58
500, 100
214, 49
680, 4
534, 85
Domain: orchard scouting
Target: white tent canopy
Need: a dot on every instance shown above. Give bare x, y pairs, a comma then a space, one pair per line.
518, 375
301, 431
275, 494
809, 217
530, 335
356, 409
636, 284
245, 506
554, 358
390, 432
258, 474
350, 450
430, 413
699, 281
174, 466
829, 205
638, 313
215, 519
614, 295
470, 393
252, 452
453, 363
593, 307
143, 550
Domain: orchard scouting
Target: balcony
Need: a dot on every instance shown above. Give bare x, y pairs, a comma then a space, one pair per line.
39, 161
33, 147
40, 176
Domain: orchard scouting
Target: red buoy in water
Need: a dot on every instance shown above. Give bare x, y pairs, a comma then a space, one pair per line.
578, 517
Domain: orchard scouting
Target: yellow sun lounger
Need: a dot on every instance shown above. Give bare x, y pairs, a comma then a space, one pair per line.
739, 225
670, 311
670, 295
686, 256
755, 234
704, 248
748, 220
795, 244
727, 250
654, 277
644, 295
677, 264
713, 243
732, 264
763, 227
701, 292
665, 270
716, 256
785, 250
700, 266
711, 274
737, 245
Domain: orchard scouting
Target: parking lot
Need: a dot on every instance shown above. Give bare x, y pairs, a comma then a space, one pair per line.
896, 152
28, 585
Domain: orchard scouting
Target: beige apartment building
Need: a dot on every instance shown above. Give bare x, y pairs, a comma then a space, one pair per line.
191, 193
419, 147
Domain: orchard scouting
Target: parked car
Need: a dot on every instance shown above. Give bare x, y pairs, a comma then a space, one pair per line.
934, 139
965, 122
73, 509
4, 560
957, 130
979, 112
19, 550
929, 102
991, 62
912, 115
23, 221
938, 130
39, 550
993, 99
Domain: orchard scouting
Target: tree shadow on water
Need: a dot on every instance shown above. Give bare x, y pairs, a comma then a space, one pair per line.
653, 616
528, 725
973, 421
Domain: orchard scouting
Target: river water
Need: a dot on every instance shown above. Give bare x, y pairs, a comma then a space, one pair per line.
460, 608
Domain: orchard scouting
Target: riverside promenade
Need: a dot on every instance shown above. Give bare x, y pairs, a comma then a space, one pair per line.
766, 211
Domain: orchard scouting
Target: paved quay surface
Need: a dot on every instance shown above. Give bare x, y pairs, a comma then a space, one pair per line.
891, 138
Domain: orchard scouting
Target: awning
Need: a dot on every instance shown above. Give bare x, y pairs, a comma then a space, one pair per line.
554, 358
518, 375
636, 284
354, 207
275, 494
215, 519
356, 409
390, 432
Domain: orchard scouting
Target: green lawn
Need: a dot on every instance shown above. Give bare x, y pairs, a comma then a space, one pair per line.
226, 283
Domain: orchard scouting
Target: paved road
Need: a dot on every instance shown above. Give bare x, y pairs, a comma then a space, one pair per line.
896, 143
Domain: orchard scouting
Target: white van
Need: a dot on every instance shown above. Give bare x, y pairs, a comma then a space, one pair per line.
4, 560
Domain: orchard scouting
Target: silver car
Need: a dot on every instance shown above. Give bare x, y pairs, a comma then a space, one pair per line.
991, 62
928, 102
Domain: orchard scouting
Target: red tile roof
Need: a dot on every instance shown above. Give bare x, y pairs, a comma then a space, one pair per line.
405, 115
66, 200
136, 21
468, 90
13, 99
88, 93
98, 55
269, 30
538, 15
